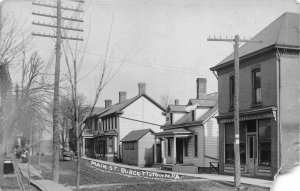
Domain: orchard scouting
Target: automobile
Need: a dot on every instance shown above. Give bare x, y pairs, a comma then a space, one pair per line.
67, 154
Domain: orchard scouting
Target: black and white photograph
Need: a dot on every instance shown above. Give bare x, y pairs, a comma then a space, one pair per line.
149, 95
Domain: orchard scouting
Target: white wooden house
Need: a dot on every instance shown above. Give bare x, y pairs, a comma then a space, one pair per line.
190, 136
110, 125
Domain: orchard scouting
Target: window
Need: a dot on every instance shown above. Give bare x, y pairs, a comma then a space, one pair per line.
171, 118
129, 146
96, 124
229, 143
256, 85
186, 147
169, 146
264, 142
231, 89
196, 145
193, 115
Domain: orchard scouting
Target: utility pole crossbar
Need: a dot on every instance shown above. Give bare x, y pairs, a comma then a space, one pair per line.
55, 7
54, 36
54, 16
54, 26
237, 166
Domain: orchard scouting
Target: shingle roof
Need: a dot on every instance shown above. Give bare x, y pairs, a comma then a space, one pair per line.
98, 110
202, 103
136, 135
282, 32
120, 106
176, 108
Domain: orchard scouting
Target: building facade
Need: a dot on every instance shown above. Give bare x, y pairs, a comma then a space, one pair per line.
269, 112
106, 129
190, 135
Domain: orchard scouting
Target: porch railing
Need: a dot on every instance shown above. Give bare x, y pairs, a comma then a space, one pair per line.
214, 166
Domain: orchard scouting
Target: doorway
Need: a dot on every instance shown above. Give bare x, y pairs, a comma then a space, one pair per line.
101, 148
158, 153
252, 153
179, 151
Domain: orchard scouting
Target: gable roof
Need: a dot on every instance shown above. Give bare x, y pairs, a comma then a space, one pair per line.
116, 108
98, 110
186, 120
136, 135
283, 32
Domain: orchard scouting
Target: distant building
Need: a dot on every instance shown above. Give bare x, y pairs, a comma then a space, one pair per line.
138, 148
107, 127
190, 136
269, 101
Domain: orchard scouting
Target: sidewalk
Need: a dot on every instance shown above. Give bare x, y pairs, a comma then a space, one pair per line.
217, 177
37, 179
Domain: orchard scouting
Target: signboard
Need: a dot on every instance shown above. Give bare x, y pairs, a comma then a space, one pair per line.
131, 171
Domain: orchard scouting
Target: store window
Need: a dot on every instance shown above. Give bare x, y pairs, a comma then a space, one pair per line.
264, 142
229, 140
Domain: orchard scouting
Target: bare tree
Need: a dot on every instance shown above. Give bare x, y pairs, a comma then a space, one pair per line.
166, 100
27, 112
74, 60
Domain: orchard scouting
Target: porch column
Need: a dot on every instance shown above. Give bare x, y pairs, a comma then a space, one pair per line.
155, 157
174, 150
162, 143
83, 147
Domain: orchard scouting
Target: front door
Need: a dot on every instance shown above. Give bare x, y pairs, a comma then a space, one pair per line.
102, 148
179, 151
158, 152
251, 142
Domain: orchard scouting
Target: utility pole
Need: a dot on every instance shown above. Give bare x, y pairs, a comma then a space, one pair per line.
237, 164
59, 37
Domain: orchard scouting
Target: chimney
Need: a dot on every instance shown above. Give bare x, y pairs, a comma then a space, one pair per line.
142, 88
176, 101
122, 96
107, 103
201, 87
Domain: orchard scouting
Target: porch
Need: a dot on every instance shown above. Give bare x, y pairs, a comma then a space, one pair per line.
173, 144
102, 146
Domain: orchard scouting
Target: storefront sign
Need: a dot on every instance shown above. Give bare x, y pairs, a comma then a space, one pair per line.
132, 172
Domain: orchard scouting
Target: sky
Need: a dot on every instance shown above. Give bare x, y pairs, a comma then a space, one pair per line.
160, 42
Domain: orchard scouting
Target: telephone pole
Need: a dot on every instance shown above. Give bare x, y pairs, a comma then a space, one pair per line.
237, 164
58, 36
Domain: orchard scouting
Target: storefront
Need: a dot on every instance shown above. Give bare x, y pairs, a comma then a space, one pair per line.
258, 144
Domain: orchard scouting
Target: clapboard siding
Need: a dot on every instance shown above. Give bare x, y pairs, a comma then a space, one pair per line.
142, 110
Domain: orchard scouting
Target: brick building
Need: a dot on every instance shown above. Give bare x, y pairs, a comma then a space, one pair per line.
269, 101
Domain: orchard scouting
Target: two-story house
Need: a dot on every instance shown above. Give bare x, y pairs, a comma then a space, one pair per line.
190, 135
269, 101
111, 124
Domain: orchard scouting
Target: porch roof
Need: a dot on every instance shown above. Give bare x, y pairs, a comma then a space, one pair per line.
106, 133
179, 132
